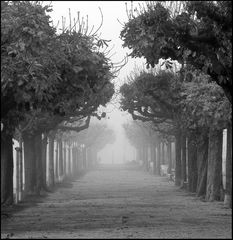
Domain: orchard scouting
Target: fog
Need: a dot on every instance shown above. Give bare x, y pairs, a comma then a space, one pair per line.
121, 150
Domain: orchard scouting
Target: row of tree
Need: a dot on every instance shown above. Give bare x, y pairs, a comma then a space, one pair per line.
51, 81
187, 104
63, 157
153, 150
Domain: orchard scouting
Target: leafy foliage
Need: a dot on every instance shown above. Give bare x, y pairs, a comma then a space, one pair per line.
154, 98
48, 77
204, 104
171, 104
27, 70
199, 36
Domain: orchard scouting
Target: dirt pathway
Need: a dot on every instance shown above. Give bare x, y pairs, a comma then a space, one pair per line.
119, 204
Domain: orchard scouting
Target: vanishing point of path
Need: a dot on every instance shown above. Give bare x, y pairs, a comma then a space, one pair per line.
119, 203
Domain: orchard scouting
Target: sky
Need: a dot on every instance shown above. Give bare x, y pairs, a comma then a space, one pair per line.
114, 14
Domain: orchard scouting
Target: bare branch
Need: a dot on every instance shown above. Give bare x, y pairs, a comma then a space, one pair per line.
100, 23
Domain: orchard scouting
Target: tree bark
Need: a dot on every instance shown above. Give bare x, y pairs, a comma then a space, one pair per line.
143, 157
228, 191
178, 176
38, 159
85, 158
64, 165
162, 153
214, 189
158, 159
202, 162
79, 162
146, 157
69, 161
60, 148
51, 159
76, 158
169, 156
73, 160
21, 169
183, 159
56, 161
6, 169
91, 158
94, 155
43, 157
29, 163
153, 157
17, 174
192, 163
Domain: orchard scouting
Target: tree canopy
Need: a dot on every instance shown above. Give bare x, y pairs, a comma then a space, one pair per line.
199, 35
170, 104
49, 77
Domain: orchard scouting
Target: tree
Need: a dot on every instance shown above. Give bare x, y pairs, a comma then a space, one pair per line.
207, 110
47, 78
92, 139
156, 98
24, 45
198, 109
200, 35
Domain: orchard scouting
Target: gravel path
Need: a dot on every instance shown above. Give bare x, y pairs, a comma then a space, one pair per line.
120, 203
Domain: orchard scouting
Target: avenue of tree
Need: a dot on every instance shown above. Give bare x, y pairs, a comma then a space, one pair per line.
52, 82
189, 102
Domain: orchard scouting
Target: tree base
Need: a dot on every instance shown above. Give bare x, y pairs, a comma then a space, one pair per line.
227, 201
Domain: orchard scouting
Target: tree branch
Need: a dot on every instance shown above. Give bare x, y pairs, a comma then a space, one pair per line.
78, 128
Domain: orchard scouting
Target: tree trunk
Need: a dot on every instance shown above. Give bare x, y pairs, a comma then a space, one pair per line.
141, 155
153, 157
178, 176
17, 174
202, 162
75, 159
169, 157
173, 152
158, 159
183, 159
60, 148
69, 160
85, 158
29, 163
214, 170
92, 150
21, 169
43, 157
95, 158
91, 157
192, 163
64, 165
79, 162
146, 157
6, 169
51, 159
56, 161
228, 191
162, 153
38, 159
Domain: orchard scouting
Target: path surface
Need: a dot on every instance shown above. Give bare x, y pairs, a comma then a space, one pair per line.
119, 203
